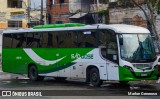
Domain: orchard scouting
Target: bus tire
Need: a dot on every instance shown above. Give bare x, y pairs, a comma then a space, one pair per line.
33, 74
95, 77
40, 78
60, 78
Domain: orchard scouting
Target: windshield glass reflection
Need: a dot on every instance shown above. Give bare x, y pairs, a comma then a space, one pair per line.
137, 47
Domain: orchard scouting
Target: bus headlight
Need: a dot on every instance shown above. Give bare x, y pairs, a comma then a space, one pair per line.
129, 68
155, 67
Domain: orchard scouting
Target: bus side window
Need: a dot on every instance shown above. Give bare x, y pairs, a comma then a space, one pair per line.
80, 39
44, 40
33, 40
22, 41
67, 39
30, 37
7, 40
102, 43
15, 41
52, 40
87, 38
71, 41
112, 48
19, 40
103, 38
108, 42
37, 40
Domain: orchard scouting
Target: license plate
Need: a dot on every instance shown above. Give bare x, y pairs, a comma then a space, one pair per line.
143, 74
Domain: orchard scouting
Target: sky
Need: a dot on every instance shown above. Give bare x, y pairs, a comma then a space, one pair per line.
37, 3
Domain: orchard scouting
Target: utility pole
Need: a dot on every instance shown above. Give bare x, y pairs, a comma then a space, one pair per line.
28, 12
28, 6
107, 19
41, 17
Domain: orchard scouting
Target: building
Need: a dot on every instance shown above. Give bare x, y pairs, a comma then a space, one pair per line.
79, 11
133, 16
35, 12
16, 14
0, 43
126, 12
35, 15
13, 14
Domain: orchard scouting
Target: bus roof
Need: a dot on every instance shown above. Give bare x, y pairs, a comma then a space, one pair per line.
124, 28
118, 28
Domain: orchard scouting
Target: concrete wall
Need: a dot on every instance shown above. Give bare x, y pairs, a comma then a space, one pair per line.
135, 16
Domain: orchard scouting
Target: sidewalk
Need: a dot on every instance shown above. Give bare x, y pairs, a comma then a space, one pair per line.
158, 81
0, 68
4, 75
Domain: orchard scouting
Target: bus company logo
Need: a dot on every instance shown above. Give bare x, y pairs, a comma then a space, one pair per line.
6, 93
77, 55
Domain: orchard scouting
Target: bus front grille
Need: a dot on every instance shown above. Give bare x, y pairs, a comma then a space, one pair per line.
145, 66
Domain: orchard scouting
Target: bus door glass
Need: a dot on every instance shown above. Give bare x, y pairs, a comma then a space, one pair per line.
109, 52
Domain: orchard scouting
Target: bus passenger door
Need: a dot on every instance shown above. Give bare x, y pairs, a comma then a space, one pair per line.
112, 71
112, 60
111, 66
109, 52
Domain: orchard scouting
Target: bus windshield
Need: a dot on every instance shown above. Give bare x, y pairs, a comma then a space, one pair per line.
137, 47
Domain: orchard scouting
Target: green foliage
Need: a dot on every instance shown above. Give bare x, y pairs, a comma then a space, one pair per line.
102, 13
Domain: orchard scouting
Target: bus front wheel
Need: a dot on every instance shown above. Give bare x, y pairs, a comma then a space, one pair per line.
33, 74
95, 77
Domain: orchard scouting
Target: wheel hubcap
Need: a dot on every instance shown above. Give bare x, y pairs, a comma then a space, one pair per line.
94, 77
33, 73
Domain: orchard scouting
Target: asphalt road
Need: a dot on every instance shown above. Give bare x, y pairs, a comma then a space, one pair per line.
72, 88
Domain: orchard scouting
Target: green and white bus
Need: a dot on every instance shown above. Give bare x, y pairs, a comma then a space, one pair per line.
93, 52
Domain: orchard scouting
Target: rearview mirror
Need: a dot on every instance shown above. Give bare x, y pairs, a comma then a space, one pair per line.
121, 39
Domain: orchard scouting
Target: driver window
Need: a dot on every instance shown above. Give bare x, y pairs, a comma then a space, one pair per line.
108, 44
112, 48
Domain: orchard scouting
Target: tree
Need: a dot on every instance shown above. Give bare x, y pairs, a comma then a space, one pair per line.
150, 8
150, 13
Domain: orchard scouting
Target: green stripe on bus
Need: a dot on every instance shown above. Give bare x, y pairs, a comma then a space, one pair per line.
18, 61
58, 25
57, 68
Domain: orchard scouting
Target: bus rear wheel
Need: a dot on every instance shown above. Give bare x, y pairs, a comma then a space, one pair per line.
33, 74
95, 77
